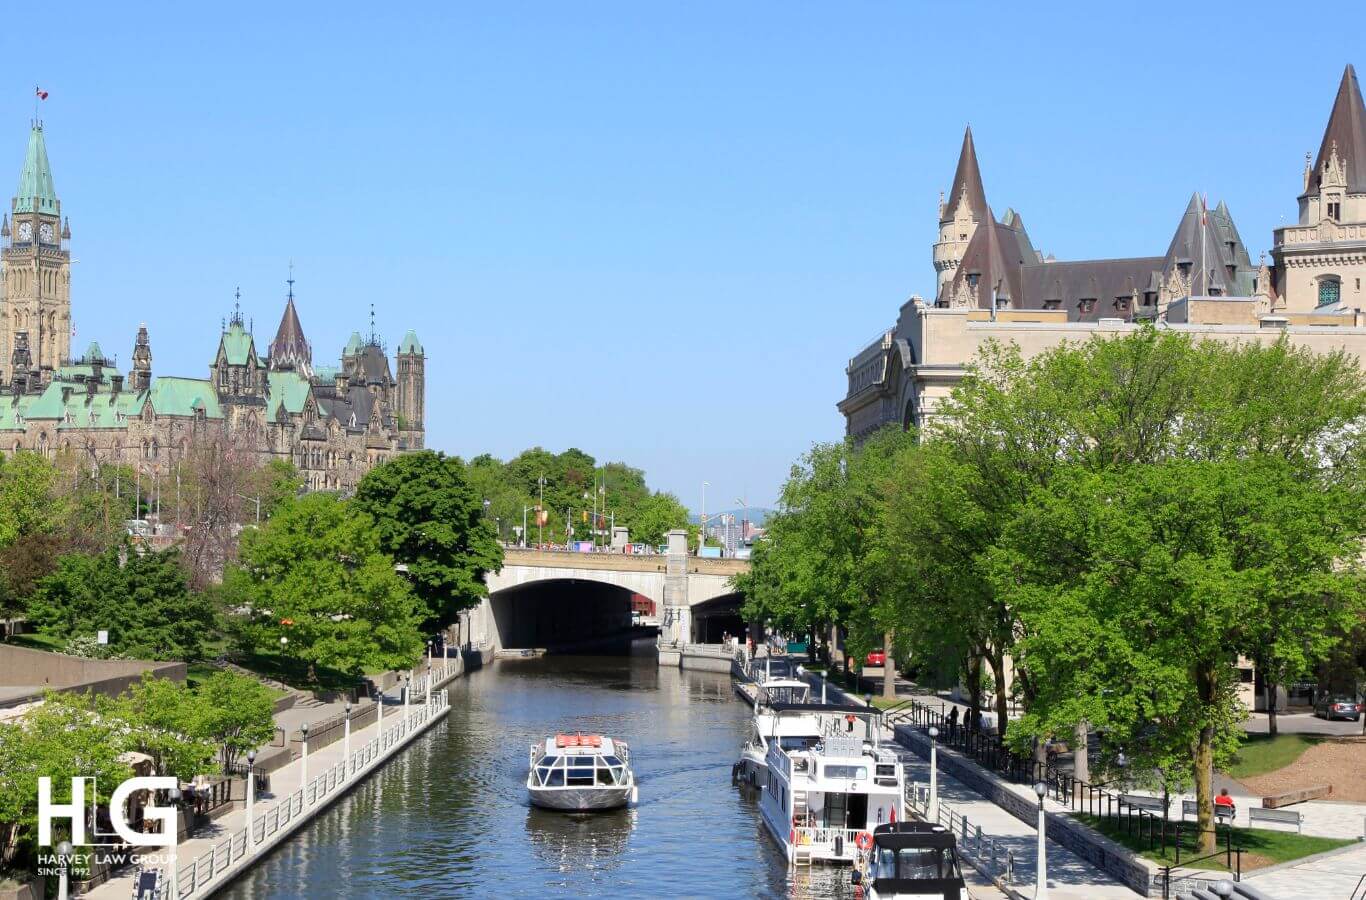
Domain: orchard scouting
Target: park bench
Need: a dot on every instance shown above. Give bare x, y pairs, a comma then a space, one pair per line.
1140, 801
1221, 813
1278, 816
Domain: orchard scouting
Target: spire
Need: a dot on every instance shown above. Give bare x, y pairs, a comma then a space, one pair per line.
290, 349
1347, 129
967, 182
36, 193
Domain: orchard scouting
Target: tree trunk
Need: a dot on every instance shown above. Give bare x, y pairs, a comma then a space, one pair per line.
888, 665
1081, 762
974, 691
1204, 767
998, 671
1271, 692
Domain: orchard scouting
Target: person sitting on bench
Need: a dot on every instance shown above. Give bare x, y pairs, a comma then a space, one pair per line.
1226, 802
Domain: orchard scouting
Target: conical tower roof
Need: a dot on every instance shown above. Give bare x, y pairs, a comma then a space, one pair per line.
290, 347
1347, 132
967, 180
36, 193
1197, 242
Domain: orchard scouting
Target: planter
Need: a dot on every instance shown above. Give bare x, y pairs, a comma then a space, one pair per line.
32, 890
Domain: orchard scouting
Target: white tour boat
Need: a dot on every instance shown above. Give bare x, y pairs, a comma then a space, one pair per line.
581, 772
912, 860
821, 802
792, 726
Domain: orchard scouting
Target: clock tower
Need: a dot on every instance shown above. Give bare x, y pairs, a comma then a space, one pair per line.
36, 265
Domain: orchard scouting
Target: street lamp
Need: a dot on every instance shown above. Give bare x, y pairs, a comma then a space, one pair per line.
407, 688
346, 742
251, 798
174, 879
64, 860
303, 769
702, 536
934, 774
1041, 867
1223, 888
1123, 762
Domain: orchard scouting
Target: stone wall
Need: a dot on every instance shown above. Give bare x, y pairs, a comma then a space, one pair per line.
41, 670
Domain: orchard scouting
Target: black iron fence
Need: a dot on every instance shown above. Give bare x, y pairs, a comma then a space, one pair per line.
1143, 826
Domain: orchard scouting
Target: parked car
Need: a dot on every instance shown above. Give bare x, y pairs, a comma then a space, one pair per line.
876, 658
1336, 706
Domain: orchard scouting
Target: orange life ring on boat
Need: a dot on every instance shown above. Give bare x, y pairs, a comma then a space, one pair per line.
863, 841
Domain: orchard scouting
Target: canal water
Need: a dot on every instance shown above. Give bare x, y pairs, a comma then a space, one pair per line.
449, 817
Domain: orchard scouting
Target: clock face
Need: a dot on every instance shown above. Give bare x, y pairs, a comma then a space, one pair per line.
25, 231
45, 233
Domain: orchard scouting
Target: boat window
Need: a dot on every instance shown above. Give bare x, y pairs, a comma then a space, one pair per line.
607, 776
555, 777
846, 771
925, 863
612, 761
542, 773
798, 743
580, 777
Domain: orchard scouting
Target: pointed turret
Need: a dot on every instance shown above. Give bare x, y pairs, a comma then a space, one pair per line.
290, 350
1344, 137
967, 185
36, 193
1198, 261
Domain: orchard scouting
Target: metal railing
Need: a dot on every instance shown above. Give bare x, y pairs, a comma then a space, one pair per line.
813, 837
1152, 832
198, 875
996, 860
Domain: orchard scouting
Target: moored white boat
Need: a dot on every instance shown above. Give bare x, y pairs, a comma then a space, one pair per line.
581, 773
912, 861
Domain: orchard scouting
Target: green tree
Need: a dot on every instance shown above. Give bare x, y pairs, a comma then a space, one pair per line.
60, 741
276, 482
1139, 587
429, 518
159, 717
316, 575
29, 499
654, 516
236, 714
141, 597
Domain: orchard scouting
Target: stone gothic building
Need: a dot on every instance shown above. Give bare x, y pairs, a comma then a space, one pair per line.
992, 284
332, 422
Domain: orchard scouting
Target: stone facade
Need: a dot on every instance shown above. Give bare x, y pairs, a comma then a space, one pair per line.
332, 422
991, 284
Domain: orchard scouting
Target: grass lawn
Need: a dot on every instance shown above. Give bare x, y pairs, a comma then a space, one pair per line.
295, 673
1260, 753
38, 642
1261, 846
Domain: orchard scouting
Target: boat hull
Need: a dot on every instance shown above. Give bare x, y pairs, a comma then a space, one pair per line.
585, 799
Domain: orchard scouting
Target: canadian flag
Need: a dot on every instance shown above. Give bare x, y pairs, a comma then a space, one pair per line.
40, 93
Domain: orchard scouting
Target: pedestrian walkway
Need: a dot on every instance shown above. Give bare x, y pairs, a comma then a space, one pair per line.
1330, 876
299, 790
1322, 818
1069, 876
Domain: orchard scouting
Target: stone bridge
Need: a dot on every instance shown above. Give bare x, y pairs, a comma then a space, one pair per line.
541, 596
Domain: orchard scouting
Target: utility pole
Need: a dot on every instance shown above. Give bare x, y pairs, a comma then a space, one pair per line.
702, 532
540, 513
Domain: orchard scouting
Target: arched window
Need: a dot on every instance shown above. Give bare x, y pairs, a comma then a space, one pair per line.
1330, 290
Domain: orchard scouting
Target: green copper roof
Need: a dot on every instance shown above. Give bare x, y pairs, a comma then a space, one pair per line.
93, 352
35, 181
288, 388
79, 410
353, 345
410, 343
183, 396
325, 373
237, 344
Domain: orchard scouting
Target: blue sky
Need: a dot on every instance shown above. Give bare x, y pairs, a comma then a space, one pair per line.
654, 231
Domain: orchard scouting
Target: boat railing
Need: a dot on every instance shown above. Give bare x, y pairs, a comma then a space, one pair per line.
824, 840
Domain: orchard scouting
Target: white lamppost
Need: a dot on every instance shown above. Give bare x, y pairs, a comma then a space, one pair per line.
1223, 888
1041, 867
934, 774
346, 742
303, 769
174, 879
251, 798
64, 859
379, 718
407, 689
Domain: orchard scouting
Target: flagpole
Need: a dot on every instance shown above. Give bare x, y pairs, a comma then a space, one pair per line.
1204, 271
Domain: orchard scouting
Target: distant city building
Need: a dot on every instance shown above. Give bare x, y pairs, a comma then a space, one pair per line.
992, 284
726, 532
332, 422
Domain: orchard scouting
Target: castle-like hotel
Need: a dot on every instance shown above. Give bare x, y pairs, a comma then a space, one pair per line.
993, 285
333, 423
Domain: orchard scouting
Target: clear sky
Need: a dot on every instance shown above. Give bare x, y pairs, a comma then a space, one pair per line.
655, 231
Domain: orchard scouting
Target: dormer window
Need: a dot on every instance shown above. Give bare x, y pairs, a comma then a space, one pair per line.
1122, 304
1334, 208
1149, 298
1086, 306
1052, 304
973, 278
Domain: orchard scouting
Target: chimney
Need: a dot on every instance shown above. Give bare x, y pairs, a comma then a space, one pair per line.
91, 386
66, 393
116, 384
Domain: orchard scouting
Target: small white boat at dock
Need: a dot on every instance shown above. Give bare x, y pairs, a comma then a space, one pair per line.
581, 773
